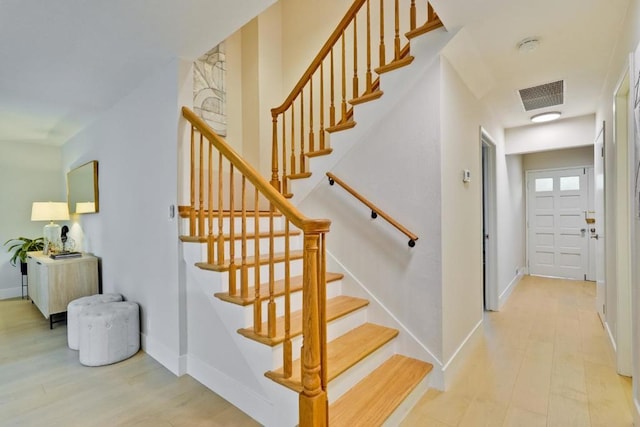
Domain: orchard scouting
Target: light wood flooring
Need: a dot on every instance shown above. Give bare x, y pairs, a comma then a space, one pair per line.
544, 361
43, 384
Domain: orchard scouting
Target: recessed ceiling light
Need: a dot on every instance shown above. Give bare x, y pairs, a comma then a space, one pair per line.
528, 45
545, 117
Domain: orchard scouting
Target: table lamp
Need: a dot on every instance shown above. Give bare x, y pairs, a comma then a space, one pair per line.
50, 211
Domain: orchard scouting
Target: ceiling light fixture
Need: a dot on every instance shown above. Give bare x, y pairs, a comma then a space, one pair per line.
545, 117
528, 45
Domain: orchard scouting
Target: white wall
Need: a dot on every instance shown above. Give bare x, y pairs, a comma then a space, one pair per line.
135, 146
565, 133
630, 36
29, 173
396, 164
461, 212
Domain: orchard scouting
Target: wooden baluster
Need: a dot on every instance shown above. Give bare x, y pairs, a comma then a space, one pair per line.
274, 153
322, 106
293, 139
192, 184
257, 304
201, 231
221, 256
311, 136
244, 271
313, 398
396, 39
211, 238
382, 46
287, 352
285, 186
332, 107
412, 15
344, 82
232, 235
302, 162
356, 92
271, 307
369, 78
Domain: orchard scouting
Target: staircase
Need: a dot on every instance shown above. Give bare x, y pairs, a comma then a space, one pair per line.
367, 381
270, 260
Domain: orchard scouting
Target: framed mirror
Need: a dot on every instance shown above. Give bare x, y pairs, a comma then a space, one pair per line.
82, 188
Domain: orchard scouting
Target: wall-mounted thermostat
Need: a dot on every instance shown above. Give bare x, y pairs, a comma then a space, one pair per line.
466, 175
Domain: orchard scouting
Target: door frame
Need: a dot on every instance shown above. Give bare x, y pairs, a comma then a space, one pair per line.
489, 220
622, 120
589, 170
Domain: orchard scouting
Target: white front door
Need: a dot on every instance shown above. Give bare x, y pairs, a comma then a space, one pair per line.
558, 239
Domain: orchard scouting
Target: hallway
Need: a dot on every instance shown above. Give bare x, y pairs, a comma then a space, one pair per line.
545, 360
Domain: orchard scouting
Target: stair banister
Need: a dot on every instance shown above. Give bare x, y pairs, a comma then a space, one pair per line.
289, 154
313, 397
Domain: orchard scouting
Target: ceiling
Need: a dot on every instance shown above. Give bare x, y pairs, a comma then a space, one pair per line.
577, 40
64, 62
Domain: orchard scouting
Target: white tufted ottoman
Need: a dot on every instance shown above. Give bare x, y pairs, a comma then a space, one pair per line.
73, 314
109, 333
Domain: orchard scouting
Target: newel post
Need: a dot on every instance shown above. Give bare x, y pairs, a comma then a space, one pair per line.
275, 181
313, 398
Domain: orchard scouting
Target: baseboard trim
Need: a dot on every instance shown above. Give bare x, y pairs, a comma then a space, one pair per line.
612, 340
236, 393
7, 293
452, 368
504, 296
163, 355
636, 413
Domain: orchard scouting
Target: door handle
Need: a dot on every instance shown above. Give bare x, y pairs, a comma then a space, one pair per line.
595, 236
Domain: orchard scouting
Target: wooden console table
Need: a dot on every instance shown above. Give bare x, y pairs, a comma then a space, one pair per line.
55, 283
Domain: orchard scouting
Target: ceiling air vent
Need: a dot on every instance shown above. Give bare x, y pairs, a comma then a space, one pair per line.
542, 96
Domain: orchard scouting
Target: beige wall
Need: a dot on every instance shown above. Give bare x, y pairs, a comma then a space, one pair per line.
570, 157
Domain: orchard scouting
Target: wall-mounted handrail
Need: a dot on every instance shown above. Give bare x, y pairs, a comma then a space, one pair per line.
375, 211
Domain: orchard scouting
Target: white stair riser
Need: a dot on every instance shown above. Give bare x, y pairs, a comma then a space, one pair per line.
264, 246
334, 329
263, 225
295, 267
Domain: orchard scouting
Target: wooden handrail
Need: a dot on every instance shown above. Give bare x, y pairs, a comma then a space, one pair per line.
281, 203
375, 211
324, 51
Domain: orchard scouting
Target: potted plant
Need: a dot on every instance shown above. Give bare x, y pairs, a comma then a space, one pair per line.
19, 248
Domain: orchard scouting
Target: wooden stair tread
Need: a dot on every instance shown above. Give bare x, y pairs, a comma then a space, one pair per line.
376, 397
394, 65
319, 153
294, 286
342, 353
348, 124
429, 26
336, 308
301, 175
238, 236
373, 95
264, 259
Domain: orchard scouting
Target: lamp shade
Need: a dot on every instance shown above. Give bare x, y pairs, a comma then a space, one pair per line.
49, 211
85, 207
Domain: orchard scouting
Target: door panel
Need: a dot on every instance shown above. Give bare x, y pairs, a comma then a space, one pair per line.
557, 202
